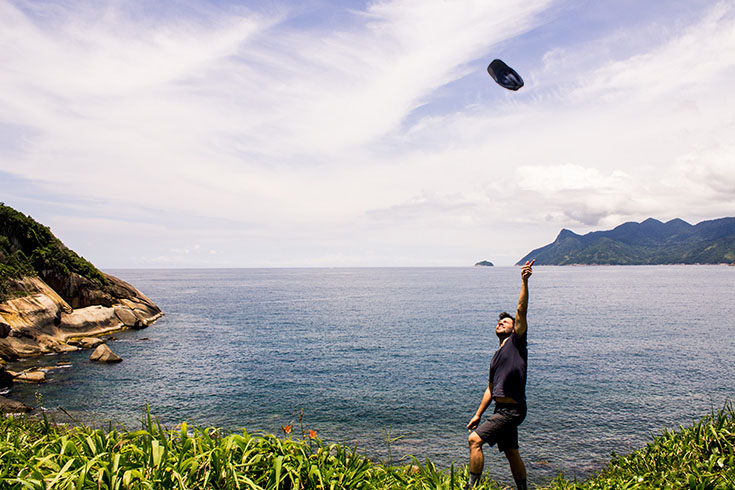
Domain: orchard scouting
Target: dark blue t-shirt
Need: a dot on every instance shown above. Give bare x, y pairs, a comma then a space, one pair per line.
508, 369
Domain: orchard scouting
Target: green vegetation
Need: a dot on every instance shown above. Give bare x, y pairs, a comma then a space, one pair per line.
27, 248
40, 455
701, 457
649, 242
13, 265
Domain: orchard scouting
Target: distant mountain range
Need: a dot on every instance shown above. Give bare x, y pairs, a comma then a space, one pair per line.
649, 242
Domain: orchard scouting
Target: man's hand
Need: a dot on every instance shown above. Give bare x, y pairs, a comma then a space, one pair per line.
526, 270
487, 398
474, 422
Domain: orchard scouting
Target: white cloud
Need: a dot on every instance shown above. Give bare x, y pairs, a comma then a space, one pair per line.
704, 177
230, 110
602, 145
552, 179
678, 69
335, 140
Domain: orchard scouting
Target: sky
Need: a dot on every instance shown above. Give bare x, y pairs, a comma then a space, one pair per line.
323, 133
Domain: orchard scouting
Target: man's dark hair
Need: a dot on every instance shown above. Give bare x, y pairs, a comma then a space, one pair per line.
505, 314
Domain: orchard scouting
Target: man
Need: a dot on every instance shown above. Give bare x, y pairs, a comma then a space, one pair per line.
507, 386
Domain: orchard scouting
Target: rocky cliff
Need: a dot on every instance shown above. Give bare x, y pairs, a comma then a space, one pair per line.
41, 321
49, 295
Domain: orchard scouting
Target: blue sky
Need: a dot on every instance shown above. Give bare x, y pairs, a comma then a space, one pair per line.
269, 134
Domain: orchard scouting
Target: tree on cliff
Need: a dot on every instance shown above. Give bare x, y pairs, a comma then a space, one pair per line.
27, 248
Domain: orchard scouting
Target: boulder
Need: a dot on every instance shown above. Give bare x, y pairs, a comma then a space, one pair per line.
91, 320
6, 379
126, 316
87, 342
62, 347
21, 346
91, 342
4, 330
103, 354
53, 345
38, 310
78, 291
7, 353
32, 376
11, 406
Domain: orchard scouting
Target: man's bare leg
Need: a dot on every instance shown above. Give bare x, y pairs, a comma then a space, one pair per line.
517, 468
477, 459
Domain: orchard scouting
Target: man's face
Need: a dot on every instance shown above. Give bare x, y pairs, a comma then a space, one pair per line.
504, 327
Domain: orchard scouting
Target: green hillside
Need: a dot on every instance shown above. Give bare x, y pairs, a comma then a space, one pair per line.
27, 248
649, 242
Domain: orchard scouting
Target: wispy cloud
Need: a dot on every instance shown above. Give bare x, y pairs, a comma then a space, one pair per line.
348, 141
619, 137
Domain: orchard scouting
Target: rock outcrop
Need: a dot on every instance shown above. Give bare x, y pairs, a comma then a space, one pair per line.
11, 406
87, 342
49, 295
32, 376
43, 322
6, 378
103, 354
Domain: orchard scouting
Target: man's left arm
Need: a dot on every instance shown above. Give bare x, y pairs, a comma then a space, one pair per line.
520, 323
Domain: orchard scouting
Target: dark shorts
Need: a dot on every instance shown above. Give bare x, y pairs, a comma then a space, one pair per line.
502, 427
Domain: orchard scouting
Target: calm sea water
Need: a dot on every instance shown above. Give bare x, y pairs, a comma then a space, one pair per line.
616, 355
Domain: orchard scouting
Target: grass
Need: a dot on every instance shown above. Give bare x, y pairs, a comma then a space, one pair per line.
700, 457
41, 455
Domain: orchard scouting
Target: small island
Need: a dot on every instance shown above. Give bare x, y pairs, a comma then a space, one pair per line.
484, 263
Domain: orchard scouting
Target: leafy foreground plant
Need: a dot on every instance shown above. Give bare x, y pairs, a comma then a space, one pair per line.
39, 455
700, 457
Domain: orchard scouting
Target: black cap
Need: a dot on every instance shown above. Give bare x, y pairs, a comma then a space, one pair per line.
504, 75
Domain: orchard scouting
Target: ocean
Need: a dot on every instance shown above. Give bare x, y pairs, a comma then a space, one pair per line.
394, 361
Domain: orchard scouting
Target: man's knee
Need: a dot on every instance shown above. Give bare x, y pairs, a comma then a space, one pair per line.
475, 441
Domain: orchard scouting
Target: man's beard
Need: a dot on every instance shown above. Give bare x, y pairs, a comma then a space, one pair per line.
502, 336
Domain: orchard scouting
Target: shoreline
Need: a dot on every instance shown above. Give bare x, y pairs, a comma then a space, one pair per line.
35, 374
40, 322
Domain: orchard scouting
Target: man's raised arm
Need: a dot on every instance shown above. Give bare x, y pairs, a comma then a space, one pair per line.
520, 321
